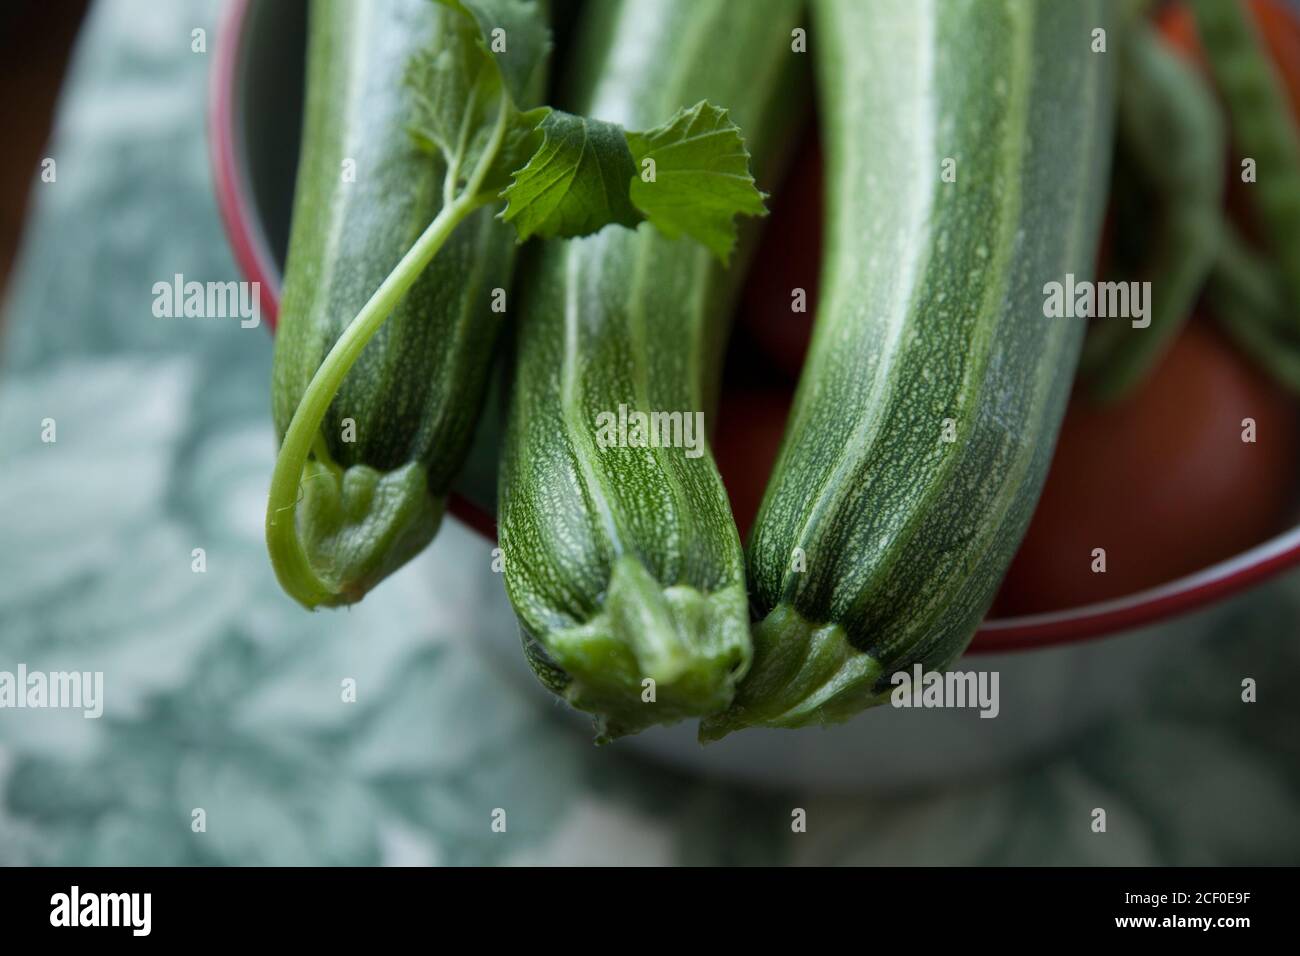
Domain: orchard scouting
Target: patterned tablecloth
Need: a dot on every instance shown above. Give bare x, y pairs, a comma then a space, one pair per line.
222, 694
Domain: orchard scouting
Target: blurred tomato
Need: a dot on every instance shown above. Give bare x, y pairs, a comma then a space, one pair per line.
748, 436
1178, 26
1281, 30
1163, 482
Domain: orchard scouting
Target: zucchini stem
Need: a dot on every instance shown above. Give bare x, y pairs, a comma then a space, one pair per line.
288, 556
1247, 298
1163, 101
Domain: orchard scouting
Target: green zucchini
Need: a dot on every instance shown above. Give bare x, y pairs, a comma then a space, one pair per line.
399, 427
879, 545
623, 563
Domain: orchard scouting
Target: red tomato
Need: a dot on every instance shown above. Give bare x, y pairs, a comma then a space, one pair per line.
788, 258
1178, 26
1163, 482
748, 436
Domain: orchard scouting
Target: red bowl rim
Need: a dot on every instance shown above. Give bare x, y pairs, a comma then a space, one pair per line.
995, 635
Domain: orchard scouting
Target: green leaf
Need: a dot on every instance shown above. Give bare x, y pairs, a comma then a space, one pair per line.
701, 177
455, 91
576, 182
513, 34
689, 176
460, 87
523, 138
564, 175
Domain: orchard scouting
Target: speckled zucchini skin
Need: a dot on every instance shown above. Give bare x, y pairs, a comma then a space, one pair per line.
624, 563
417, 389
931, 308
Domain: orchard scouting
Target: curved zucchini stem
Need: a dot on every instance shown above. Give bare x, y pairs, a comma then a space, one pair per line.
1172, 128
1247, 299
1263, 128
288, 556
1119, 358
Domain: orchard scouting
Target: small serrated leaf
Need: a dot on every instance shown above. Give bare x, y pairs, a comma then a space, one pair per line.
576, 182
523, 138
564, 175
701, 177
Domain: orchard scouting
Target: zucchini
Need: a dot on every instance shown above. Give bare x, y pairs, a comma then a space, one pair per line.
399, 427
623, 563
879, 545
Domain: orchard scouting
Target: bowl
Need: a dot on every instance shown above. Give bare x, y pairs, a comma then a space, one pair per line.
1061, 681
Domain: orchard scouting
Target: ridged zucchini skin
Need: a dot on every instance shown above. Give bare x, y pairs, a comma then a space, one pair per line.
416, 391
625, 564
932, 308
